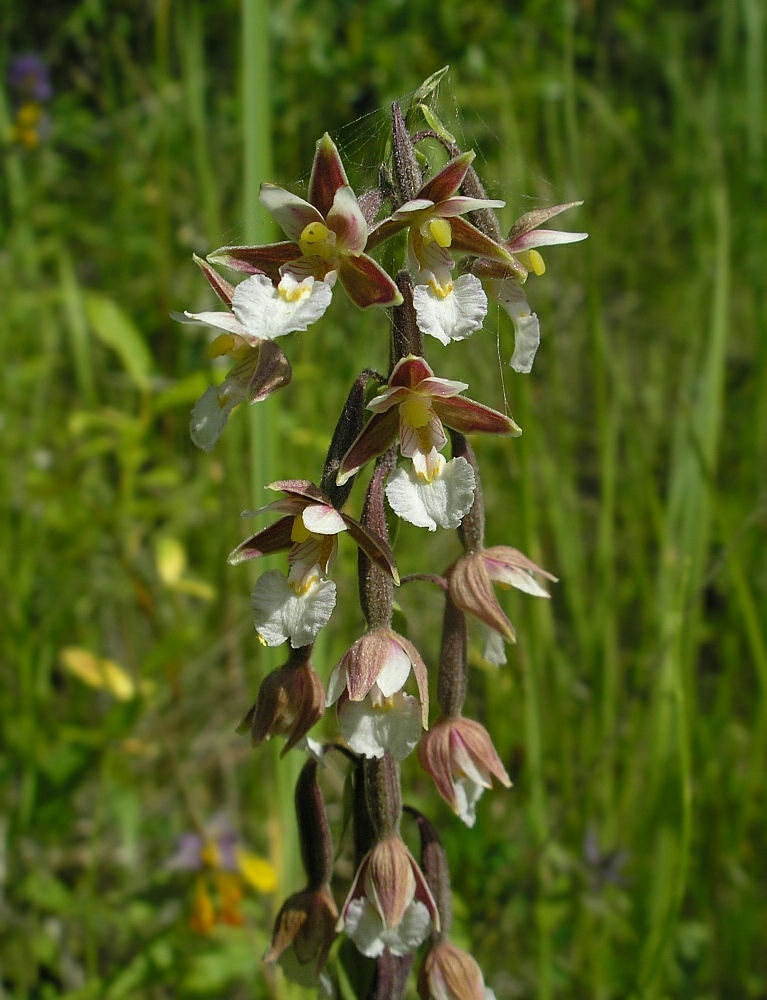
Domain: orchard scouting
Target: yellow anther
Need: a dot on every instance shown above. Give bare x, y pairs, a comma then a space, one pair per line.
442, 291
533, 261
299, 532
315, 232
416, 410
440, 232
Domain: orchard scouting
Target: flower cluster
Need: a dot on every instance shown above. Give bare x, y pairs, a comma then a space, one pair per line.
29, 82
454, 257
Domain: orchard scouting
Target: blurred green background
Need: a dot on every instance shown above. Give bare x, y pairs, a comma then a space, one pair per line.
630, 858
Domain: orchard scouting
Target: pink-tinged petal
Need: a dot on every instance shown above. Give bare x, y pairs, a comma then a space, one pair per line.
272, 372
366, 283
323, 520
472, 591
468, 417
512, 568
275, 538
346, 220
445, 183
459, 205
328, 175
300, 488
544, 238
434, 756
478, 745
292, 213
389, 397
537, 217
468, 239
386, 229
412, 208
441, 388
390, 884
267, 259
410, 372
374, 547
378, 434
363, 662
419, 671
223, 288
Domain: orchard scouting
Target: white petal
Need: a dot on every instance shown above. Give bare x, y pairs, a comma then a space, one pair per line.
268, 312
467, 794
457, 315
281, 613
444, 501
209, 416
395, 671
495, 649
518, 578
370, 731
364, 926
220, 320
323, 520
527, 329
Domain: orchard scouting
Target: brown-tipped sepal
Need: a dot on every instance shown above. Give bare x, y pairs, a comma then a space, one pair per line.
461, 759
390, 904
290, 701
303, 933
449, 973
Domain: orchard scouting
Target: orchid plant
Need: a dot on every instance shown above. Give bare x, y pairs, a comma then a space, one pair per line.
455, 255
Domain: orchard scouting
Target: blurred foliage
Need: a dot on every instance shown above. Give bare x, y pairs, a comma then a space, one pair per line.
629, 859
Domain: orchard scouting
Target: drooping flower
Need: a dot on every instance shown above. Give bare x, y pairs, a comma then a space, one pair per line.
445, 309
460, 757
450, 973
303, 933
504, 282
261, 367
471, 587
296, 607
374, 713
223, 870
414, 407
327, 238
290, 701
389, 904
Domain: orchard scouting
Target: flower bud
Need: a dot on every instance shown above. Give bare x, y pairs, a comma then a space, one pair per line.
313, 828
348, 427
303, 933
449, 973
461, 759
407, 173
291, 699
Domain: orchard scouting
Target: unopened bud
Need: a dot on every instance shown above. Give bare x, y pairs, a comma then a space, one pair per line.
348, 427
313, 827
406, 338
407, 173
